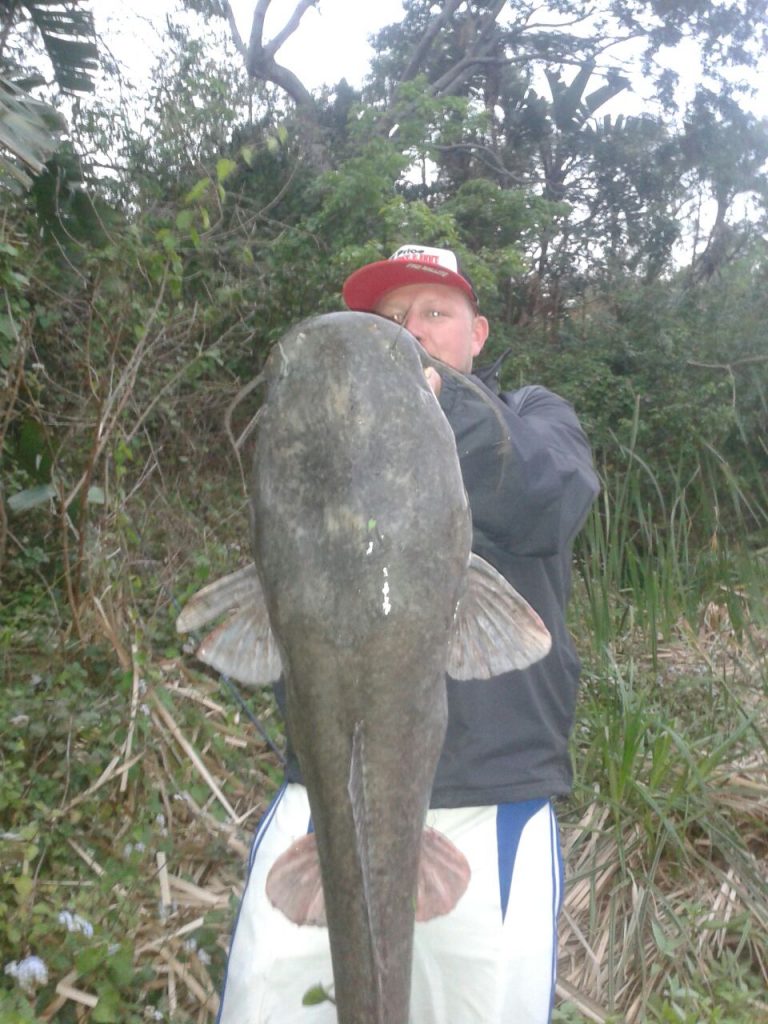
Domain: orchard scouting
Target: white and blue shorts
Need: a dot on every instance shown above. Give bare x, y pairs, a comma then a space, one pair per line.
491, 960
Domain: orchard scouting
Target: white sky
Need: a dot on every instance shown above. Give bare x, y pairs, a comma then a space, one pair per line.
330, 43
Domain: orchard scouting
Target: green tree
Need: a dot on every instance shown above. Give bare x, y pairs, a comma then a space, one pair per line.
29, 127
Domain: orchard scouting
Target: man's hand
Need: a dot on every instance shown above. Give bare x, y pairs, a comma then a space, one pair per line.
434, 380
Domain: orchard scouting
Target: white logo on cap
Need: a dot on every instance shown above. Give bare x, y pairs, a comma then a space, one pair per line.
429, 256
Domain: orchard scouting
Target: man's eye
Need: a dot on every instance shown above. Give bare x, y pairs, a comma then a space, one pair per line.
434, 313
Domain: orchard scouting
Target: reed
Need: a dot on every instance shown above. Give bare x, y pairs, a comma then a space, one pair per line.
666, 915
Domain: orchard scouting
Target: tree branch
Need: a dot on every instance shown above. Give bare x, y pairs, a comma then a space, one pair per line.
290, 26
236, 37
260, 57
480, 51
422, 47
744, 361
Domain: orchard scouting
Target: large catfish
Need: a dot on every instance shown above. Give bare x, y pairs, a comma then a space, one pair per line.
364, 594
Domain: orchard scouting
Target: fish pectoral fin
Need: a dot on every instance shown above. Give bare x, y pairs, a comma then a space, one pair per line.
443, 876
218, 597
294, 885
496, 630
243, 646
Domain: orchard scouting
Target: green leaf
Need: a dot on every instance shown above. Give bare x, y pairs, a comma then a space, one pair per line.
197, 191
8, 327
31, 497
225, 167
109, 1008
23, 885
316, 995
69, 36
28, 130
664, 942
91, 957
120, 966
184, 219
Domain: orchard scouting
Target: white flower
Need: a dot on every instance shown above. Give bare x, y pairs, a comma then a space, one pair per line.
75, 923
130, 848
192, 947
29, 972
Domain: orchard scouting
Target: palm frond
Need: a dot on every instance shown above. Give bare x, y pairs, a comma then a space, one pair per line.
69, 36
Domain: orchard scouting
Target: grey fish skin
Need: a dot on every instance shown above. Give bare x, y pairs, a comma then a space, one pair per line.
363, 593
361, 539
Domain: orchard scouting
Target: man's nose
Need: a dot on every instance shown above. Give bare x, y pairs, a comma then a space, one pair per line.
411, 324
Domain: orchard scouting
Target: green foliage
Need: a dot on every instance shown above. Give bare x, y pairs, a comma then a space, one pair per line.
81, 839
31, 126
664, 371
14, 284
68, 34
315, 996
43, 812
29, 135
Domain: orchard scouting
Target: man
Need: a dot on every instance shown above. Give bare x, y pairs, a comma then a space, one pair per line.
528, 473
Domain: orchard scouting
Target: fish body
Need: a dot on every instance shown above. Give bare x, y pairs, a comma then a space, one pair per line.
361, 534
354, 452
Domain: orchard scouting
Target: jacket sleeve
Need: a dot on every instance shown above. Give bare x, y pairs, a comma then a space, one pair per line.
526, 464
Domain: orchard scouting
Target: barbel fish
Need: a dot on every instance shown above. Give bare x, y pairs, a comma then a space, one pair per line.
363, 594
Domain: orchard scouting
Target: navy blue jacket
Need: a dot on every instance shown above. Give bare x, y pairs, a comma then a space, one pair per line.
528, 472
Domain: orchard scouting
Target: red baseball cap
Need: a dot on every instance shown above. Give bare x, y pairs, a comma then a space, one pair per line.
411, 264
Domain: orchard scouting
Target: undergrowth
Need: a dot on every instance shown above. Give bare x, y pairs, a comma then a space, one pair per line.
129, 783
131, 779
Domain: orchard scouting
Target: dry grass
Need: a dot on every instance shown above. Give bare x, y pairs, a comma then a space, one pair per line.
675, 889
648, 895
194, 885
634, 913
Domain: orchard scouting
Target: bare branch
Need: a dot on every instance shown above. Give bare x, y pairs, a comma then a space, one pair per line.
480, 51
260, 57
459, 73
236, 37
744, 361
433, 28
290, 26
257, 27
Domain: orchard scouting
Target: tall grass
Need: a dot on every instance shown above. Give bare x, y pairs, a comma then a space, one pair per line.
654, 551
666, 913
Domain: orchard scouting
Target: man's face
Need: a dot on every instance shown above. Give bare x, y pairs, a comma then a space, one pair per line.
441, 318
